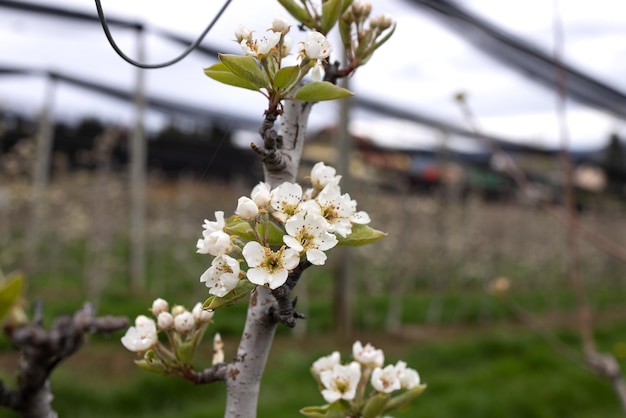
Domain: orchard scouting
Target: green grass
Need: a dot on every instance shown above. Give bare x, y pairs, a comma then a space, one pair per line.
497, 373
477, 358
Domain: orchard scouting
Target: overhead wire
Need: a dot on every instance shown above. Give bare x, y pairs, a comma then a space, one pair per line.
187, 51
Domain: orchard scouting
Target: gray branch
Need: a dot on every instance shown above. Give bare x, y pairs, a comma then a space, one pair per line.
281, 157
42, 350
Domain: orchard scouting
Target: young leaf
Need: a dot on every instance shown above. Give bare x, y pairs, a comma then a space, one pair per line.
221, 73
286, 76
237, 226
10, 292
331, 10
244, 287
375, 406
404, 398
245, 67
361, 235
318, 91
298, 12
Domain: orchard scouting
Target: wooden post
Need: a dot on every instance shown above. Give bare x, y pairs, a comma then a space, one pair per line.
41, 176
138, 162
342, 295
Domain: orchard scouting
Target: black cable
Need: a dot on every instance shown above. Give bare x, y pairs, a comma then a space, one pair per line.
186, 52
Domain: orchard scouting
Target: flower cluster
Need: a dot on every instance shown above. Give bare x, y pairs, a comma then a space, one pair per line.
183, 331
273, 230
263, 68
343, 386
361, 34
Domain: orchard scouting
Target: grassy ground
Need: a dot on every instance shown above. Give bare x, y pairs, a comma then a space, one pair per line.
477, 356
497, 371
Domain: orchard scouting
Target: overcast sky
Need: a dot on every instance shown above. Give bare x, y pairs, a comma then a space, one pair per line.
421, 67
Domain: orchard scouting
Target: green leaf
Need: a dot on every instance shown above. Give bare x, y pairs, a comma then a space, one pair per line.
243, 289
237, 226
152, 363
286, 76
403, 399
245, 67
314, 411
185, 351
346, 34
346, 4
275, 234
222, 73
361, 235
298, 12
318, 91
375, 405
10, 292
331, 10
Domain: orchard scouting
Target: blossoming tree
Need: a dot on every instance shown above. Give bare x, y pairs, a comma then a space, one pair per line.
281, 228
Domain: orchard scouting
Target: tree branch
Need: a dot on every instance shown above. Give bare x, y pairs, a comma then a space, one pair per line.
43, 350
281, 155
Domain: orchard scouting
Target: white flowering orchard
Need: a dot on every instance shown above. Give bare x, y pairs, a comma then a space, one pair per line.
282, 228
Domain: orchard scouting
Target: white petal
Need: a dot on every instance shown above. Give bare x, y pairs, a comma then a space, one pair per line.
316, 257
258, 276
254, 253
291, 242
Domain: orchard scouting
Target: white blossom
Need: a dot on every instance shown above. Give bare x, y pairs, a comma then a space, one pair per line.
222, 276
308, 234
142, 336
214, 240
260, 47
385, 380
368, 355
409, 378
215, 244
285, 200
269, 268
336, 209
184, 322
322, 174
325, 363
316, 46
247, 208
340, 382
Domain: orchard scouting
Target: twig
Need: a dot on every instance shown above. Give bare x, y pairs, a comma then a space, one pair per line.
42, 350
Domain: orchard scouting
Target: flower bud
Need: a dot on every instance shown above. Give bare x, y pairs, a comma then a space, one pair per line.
286, 47
261, 194
165, 321
184, 322
361, 9
247, 209
279, 24
382, 22
317, 72
202, 316
178, 309
159, 305
243, 33
218, 349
